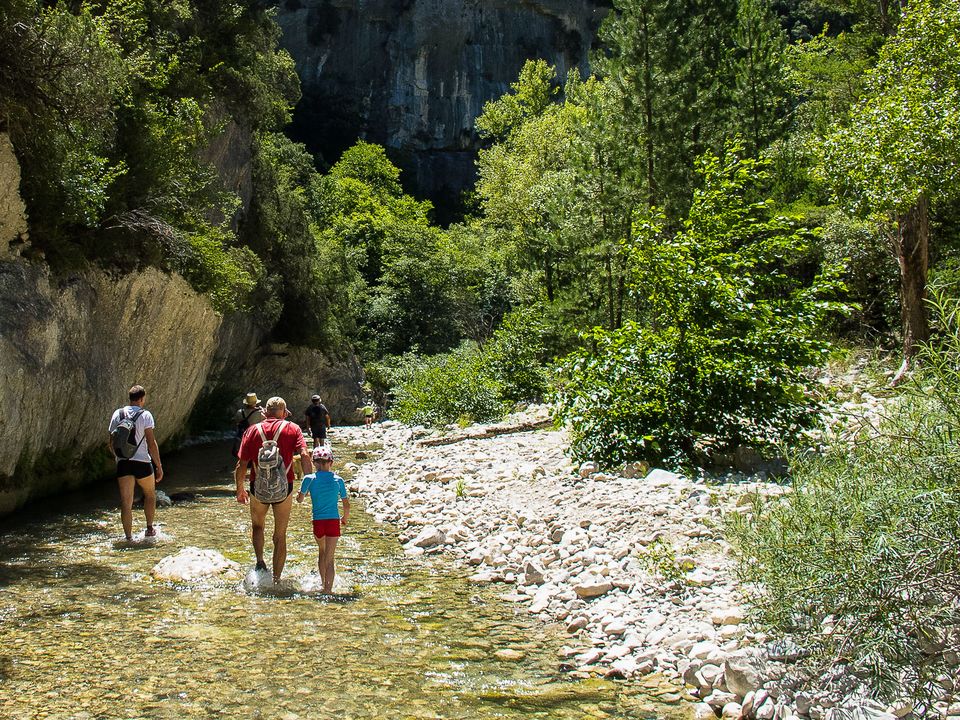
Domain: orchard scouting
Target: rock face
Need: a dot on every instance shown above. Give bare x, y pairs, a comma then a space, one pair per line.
71, 347
70, 350
413, 75
296, 373
13, 213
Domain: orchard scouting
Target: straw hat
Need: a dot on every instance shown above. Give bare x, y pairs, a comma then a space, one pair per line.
251, 400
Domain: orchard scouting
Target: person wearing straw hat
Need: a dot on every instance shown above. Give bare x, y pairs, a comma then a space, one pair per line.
250, 413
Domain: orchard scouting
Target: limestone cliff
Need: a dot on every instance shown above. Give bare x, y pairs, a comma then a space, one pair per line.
71, 347
414, 74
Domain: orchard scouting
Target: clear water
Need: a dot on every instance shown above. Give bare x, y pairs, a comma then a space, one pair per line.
86, 632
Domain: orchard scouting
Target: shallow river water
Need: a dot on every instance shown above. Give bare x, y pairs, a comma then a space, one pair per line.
86, 632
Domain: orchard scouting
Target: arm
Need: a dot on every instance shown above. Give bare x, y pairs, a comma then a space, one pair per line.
240, 474
303, 487
342, 491
154, 454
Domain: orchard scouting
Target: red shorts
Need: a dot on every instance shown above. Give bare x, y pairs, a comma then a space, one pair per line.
326, 528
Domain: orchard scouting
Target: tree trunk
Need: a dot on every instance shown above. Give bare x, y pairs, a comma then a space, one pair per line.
912, 255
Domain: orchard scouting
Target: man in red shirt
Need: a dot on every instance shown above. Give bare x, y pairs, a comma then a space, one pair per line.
290, 442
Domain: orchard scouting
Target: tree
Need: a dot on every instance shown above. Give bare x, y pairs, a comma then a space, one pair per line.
730, 324
688, 76
900, 150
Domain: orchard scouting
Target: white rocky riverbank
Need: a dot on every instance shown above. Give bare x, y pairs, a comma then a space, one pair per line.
634, 565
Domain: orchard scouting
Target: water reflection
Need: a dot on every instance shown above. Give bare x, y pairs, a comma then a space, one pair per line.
88, 633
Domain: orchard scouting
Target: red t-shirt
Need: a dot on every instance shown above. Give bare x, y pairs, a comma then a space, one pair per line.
290, 442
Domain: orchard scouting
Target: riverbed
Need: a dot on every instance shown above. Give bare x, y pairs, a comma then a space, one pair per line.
87, 632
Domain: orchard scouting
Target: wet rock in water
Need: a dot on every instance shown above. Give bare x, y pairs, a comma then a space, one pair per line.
163, 500
510, 655
180, 497
192, 563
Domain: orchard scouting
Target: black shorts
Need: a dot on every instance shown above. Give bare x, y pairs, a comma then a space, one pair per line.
137, 468
319, 433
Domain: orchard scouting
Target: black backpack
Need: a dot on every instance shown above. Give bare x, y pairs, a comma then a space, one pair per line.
244, 423
123, 436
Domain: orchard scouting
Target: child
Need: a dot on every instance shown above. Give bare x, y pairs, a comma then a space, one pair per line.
325, 490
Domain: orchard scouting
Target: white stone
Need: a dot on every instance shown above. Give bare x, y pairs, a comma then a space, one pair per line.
703, 650
592, 586
192, 563
702, 711
731, 711
727, 616
587, 469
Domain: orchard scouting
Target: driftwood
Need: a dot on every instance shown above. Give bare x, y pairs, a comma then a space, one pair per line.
487, 432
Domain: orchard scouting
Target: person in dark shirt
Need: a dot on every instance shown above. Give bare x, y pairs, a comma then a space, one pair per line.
318, 418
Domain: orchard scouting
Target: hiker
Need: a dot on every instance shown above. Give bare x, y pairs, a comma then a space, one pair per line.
369, 411
318, 420
138, 459
269, 447
325, 490
249, 414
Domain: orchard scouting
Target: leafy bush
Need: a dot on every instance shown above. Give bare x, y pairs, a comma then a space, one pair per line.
453, 387
515, 355
731, 325
861, 561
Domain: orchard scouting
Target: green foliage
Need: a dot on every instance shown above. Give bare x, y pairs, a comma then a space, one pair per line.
902, 140
400, 272
447, 388
730, 327
228, 274
865, 546
516, 356
660, 558
302, 276
470, 384
533, 92
687, 78
112, 108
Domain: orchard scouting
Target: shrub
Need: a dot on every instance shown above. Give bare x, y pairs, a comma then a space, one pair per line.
453, 387
515, 355
861, 561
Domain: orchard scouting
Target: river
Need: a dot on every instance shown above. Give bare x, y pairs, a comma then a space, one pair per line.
88, 633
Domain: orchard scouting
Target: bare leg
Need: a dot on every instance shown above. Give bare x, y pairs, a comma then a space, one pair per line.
258, 518
322, 561
126, 484
331, 548
148, 486
281, 517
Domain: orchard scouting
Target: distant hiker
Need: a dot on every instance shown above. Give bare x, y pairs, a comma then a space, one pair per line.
325, 490
249, 414
269, 447
369, 411
134, 446
318, 420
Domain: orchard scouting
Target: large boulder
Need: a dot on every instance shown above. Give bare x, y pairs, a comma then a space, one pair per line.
745, 671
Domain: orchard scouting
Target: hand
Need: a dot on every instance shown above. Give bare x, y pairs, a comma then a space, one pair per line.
299, 497
242, 496
158, 474
343, 520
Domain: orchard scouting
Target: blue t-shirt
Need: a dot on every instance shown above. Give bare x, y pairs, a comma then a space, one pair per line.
325, 490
